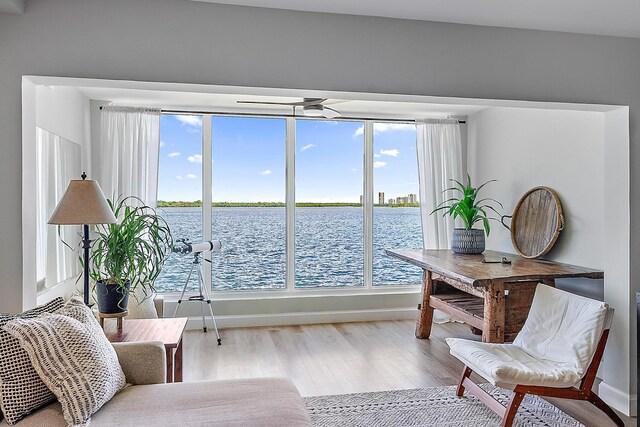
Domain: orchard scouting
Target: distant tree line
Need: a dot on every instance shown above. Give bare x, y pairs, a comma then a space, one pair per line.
198, 203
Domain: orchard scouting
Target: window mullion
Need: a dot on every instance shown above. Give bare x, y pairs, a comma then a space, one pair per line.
207, 158
368, 204
290, 202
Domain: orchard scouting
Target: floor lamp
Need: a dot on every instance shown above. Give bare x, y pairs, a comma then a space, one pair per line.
83, 204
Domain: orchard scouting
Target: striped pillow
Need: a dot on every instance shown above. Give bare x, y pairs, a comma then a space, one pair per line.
73, 357
21, 389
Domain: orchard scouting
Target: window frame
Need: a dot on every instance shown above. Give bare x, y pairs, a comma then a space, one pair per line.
290, 208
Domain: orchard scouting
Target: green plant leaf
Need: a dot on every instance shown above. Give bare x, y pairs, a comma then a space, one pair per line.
466, 207
133, 250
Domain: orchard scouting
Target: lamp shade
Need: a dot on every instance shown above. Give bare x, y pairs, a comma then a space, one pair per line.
83, 203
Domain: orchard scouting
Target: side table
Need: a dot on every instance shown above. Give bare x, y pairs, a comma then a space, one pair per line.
169, 331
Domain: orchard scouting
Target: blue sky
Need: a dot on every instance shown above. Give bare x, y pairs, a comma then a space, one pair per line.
249, 160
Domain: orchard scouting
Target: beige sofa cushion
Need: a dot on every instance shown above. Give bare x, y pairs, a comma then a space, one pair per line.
260, 402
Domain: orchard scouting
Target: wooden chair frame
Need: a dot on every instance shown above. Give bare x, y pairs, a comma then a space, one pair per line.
583, 392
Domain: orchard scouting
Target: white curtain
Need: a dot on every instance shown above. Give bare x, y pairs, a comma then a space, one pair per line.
439, 148
129, 147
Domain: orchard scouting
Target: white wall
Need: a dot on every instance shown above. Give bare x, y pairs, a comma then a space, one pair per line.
62, 111
565, 150
620, 355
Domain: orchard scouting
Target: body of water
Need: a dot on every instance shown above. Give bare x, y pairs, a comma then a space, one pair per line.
329, 248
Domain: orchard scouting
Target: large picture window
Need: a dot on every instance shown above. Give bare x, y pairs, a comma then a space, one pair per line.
396, 212
248, 195
290, 200
329, 216
180, 192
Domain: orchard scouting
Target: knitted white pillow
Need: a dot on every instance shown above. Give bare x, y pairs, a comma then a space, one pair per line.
73, 358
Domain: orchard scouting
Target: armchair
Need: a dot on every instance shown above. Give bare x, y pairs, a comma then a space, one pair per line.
556, 354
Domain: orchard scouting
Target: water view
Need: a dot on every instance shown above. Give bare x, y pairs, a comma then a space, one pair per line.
329, 247
248, 164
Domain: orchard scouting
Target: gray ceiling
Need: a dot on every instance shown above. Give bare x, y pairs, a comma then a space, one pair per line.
616, 18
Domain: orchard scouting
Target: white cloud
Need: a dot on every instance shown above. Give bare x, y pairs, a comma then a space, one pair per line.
266, 172
379, 164
377, 155
306, 147
161, 144
179, 177
386, 127
174, 154
191, 176
193, 121
354, 169
390, 127
196, 158
393, 152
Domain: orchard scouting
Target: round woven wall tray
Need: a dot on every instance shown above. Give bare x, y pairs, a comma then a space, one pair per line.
537, 222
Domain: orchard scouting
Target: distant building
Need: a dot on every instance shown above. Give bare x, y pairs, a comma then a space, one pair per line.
413, 198
390, 202
403, 200
381, 198
361, 200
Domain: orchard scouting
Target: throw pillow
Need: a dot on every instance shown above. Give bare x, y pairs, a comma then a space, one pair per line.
141, 305
21, 389
73, 357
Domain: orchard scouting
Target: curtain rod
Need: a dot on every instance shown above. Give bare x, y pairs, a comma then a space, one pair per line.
344, 118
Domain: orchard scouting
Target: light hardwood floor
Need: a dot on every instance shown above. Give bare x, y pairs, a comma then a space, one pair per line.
342, 358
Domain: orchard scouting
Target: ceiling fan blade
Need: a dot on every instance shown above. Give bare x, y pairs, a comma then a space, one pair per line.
330, 113
311, 101
304, 103
269, 103
333, 101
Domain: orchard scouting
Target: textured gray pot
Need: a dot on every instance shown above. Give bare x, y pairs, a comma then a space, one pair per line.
467, 241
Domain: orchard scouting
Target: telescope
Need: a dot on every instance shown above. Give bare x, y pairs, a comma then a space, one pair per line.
187, 247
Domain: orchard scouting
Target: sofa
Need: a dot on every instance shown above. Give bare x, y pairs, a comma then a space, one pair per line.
149, 401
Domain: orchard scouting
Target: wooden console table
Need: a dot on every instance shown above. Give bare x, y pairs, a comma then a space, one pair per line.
169, 331
494, 298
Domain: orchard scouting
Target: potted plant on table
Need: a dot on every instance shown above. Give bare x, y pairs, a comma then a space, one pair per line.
471, 210
128, 254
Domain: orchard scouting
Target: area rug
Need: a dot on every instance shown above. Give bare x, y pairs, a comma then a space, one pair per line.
435, 406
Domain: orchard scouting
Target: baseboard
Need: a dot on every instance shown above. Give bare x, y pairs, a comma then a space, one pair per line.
623, 402
306, 318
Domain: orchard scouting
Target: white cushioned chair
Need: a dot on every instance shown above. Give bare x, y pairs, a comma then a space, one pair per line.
556, 354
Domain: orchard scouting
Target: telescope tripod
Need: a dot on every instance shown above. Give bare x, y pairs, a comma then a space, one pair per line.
197, 265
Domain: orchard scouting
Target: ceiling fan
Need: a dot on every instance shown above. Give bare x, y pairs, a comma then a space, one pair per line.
312, 107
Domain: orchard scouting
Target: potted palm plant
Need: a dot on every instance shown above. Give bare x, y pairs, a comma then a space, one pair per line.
128, 254
471, 210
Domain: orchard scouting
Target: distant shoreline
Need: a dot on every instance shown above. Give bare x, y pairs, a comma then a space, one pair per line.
198, 204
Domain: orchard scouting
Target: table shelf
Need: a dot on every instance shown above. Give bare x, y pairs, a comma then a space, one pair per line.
462, 306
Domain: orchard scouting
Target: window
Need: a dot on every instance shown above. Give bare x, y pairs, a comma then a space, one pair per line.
396, 212
248, 194
180, 193
330, 236
329, 217
57, 162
